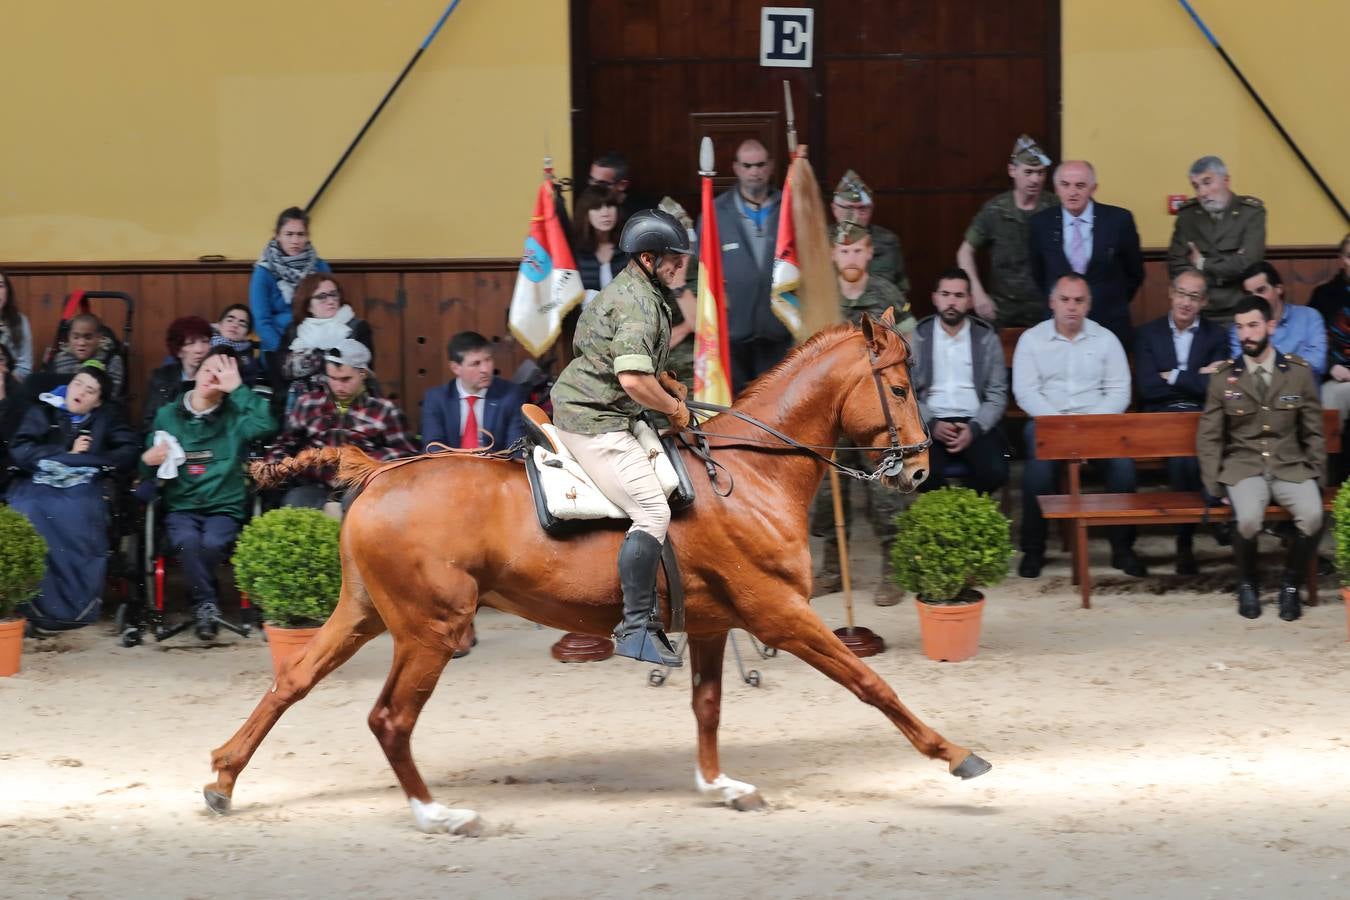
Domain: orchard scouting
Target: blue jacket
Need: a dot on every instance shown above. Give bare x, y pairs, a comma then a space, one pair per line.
500, 414
271, 312
1301, 331
1114, 272
1155, 353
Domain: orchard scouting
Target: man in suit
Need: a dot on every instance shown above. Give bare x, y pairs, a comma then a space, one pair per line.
1094, 240
476, 409
747, 223
1173, 359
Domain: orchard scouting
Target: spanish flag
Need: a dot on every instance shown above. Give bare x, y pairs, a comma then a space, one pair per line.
712, 353
548, 285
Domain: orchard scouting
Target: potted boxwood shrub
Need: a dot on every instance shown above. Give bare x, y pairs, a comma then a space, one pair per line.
287, 561
1340, 517
949, 542
23, 561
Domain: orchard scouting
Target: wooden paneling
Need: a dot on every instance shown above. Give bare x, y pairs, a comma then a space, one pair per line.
413, 307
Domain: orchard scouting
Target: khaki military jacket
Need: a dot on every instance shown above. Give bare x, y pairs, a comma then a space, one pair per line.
1243, 434
879, 296
1002, 227
1230, 244
626, 328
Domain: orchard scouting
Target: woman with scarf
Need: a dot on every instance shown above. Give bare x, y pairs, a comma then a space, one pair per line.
233, 329
66, 442
285, 261
15, 333
321, 322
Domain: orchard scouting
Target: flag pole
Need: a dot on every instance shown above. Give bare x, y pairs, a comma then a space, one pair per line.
1251, 91
421, 48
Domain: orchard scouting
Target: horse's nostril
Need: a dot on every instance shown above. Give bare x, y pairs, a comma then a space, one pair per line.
919, 476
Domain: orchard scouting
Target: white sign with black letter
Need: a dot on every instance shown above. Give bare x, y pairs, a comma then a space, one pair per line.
785, 34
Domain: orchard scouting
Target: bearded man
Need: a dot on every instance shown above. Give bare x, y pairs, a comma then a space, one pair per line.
1220, 234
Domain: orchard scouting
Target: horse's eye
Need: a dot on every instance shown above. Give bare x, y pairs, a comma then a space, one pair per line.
898, 391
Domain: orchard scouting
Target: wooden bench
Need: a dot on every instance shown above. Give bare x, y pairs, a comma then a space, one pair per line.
1077, 440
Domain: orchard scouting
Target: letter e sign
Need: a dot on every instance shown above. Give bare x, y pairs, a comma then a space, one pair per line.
785, 35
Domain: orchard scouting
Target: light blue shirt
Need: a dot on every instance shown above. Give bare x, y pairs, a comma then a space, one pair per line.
1301, 331
1054, 376
1085, 223
1181, 341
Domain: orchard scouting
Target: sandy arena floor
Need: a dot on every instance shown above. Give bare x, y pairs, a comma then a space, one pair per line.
1155, 746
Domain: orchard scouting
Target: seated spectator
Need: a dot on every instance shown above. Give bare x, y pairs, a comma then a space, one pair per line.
476, 409
321, 321
204, 494
1260, 437
1332, 300
338, 412
595, 238
1173, 359
11, 407
15, 334
1070, 365
61, 446
285, 261
233, 330
1298, 329
188, 340
87, 338
960, 381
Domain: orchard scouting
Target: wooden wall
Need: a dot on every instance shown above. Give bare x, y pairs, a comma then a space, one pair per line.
413, 307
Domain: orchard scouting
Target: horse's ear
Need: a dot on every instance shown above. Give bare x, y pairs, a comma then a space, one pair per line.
867, 328
888, 317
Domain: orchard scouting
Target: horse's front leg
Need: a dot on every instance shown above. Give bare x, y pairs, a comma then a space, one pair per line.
792, 625
705, 659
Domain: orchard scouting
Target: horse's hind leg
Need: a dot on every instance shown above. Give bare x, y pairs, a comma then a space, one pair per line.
796, 628
705, 659
352, 624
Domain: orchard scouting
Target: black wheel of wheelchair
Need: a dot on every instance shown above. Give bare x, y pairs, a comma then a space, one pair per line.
131, 637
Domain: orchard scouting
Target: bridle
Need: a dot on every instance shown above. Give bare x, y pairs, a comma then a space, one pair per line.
893, 453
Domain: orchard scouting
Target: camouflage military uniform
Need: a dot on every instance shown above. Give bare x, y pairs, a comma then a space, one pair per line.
887, 260
625, 328
1002, 226
1230, 242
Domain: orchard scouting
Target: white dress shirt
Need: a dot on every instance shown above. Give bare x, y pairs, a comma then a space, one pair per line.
1054, 376
1084, 225
464, 406
952, 393
1181, 341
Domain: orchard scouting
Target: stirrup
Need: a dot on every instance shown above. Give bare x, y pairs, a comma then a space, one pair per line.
648, 645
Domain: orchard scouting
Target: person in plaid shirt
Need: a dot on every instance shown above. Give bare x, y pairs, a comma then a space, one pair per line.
341, 412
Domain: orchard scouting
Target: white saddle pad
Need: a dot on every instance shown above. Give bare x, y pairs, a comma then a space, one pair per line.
571, 494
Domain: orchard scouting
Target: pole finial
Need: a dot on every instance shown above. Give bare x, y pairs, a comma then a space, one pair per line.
705, 157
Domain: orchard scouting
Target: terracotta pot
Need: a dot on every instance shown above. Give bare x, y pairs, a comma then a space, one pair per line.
950, 631
11, 645
1345, 596
286, 643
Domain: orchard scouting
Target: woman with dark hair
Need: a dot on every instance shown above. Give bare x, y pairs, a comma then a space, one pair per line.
11, 407
320, 322
14, 331
233, 329
285, 261
595, 232
66, 442
188, 340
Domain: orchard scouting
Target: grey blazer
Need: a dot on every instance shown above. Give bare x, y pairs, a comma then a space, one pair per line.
990, 371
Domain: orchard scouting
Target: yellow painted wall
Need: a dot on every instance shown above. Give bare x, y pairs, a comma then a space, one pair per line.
1145, 95
154, 129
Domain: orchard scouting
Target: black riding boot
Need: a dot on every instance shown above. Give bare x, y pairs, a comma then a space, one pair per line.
1244, 553
1301, 549
639, 635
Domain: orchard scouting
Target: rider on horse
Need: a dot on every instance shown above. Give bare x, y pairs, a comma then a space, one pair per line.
622, 343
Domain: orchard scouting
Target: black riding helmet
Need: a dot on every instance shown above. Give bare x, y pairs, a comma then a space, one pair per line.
654, 231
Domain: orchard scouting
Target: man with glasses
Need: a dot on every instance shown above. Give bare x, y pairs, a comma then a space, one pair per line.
610, 170
853, 202
1173, 359
1218, 233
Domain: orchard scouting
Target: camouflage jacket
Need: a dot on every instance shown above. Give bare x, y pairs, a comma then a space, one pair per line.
1002, 227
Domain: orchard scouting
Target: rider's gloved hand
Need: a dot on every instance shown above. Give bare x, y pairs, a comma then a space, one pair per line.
679, 419
673, 386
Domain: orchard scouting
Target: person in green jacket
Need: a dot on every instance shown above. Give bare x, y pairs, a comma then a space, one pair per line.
202, 477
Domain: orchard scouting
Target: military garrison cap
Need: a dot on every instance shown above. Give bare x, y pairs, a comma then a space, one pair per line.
1027, 152
672, 206
852, 189
849, 233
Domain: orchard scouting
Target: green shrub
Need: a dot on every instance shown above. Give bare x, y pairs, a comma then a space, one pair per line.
950, 541
287, 562
23, 560
1340, 513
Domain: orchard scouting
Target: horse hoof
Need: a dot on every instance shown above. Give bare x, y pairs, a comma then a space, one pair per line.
435, 818
971, 767
472, 828
217, 802
749, 803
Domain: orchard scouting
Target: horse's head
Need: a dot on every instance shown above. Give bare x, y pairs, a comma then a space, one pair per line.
881, 410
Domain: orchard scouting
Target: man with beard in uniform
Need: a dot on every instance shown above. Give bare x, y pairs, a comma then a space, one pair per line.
859, 293
853, 202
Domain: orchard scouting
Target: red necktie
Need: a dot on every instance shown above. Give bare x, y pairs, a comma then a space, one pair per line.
470, 439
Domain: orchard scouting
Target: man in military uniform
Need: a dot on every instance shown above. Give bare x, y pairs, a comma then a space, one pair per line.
622, 343
1012, 299
1260, 436
1220, 233
685, 320
860, 292
853, 202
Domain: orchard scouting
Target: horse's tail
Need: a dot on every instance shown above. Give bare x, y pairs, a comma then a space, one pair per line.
355, 468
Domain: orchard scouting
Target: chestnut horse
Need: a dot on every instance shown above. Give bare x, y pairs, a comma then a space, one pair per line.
744, 559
